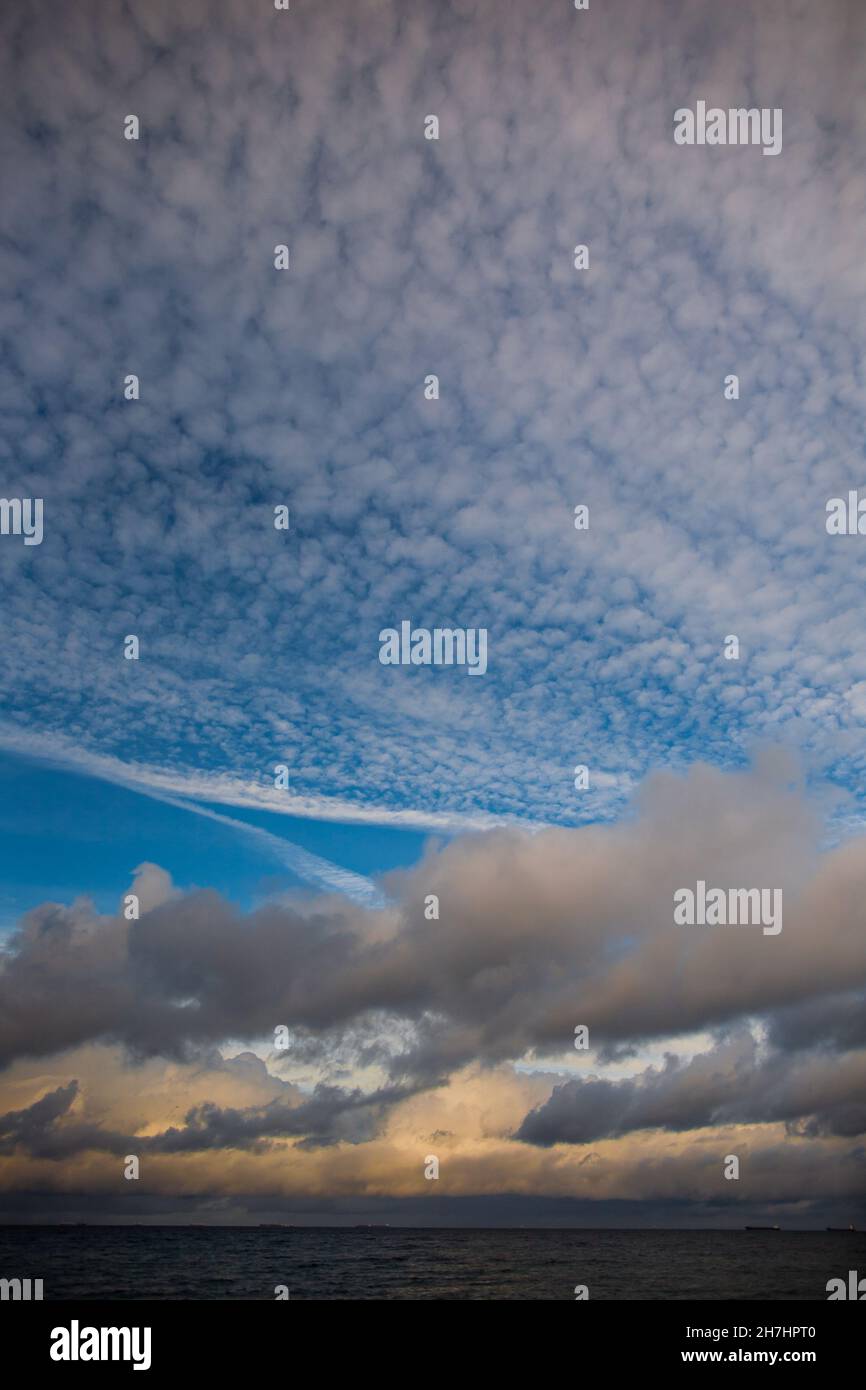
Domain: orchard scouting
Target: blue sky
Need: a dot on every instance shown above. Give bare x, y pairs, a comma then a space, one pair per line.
66, 835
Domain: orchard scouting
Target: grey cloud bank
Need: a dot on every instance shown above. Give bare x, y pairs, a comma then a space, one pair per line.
536, 933
729, 1085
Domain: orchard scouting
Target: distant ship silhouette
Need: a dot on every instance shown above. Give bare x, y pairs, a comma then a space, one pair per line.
762, 1228
844, 1229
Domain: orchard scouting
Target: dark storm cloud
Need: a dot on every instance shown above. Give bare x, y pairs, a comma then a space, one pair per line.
330, 1116
28, 1125
838, 1023
42, 1131
730, 1085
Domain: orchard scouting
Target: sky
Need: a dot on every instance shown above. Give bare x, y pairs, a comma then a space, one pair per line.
306, 906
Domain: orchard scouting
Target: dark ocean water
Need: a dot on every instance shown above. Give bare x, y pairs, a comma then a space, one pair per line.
189, 1262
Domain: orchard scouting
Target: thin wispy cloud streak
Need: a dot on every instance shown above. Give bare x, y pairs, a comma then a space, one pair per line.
310, 867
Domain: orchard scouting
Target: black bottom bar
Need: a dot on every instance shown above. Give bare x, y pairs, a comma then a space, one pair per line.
265, 1338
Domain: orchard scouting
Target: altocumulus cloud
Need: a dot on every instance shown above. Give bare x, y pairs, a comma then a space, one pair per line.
411, 256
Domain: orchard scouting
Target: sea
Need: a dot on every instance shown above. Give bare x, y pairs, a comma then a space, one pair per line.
383, 1262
